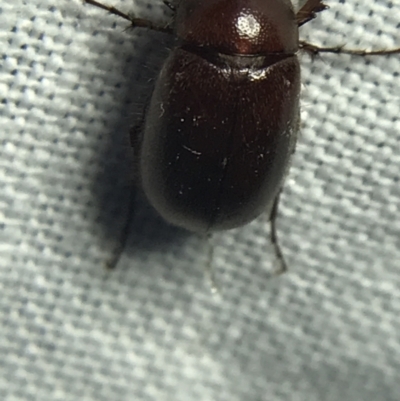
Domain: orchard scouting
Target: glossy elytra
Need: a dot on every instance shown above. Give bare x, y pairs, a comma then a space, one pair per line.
221, 127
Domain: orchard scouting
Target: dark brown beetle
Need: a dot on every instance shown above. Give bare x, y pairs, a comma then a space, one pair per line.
222, 123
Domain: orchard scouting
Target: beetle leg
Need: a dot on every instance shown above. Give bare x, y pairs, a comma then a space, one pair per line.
135, 22
170, 4
210, 268
121, 244
309, 11
135, 138
282, 266
314, 50
135, 133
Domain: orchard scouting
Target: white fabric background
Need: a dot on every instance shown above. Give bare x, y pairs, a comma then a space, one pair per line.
71, 83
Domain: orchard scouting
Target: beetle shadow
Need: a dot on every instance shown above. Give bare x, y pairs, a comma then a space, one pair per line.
115, 189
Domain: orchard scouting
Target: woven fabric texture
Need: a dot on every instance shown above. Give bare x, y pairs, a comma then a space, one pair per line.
72, 81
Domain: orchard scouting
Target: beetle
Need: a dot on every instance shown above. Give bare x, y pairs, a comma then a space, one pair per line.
219, 133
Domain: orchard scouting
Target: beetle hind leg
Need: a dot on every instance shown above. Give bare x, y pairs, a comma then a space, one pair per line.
135, 140
112, 262
282, 266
